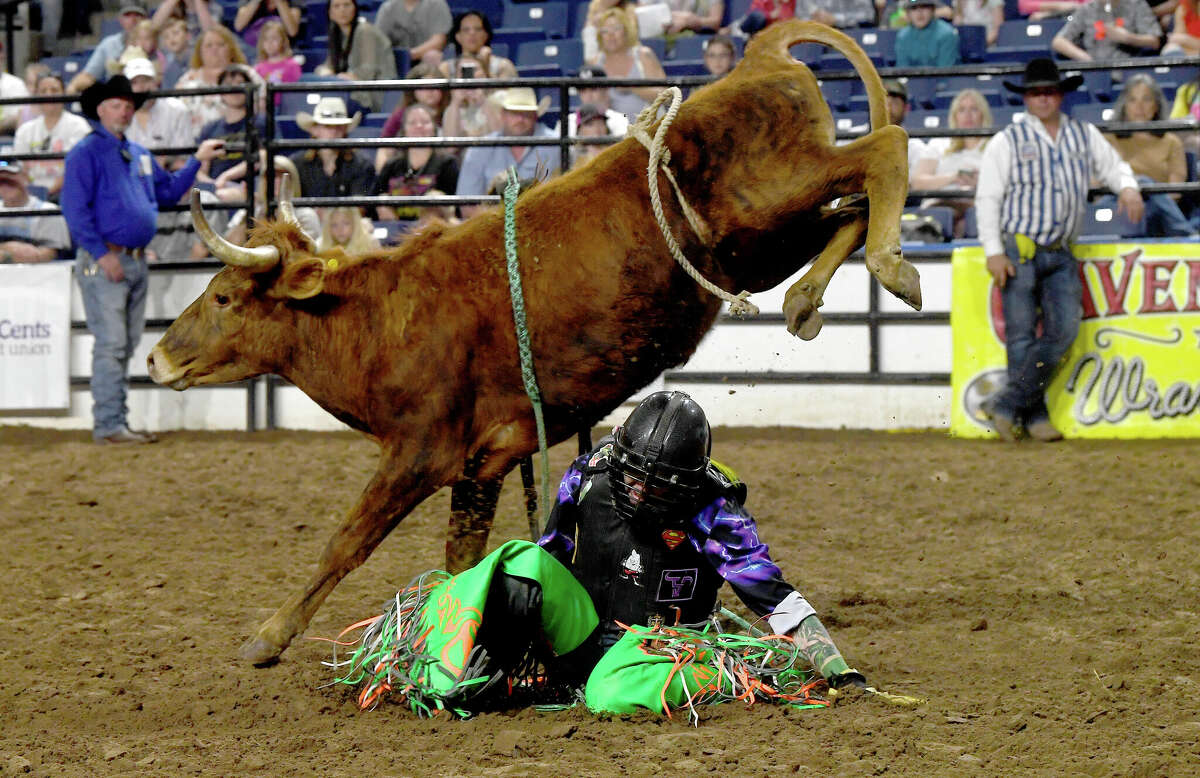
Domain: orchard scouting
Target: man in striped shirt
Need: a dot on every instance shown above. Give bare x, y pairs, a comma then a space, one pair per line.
1030, 203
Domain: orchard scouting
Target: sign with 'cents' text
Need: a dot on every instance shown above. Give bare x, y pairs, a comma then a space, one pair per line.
35, 336
1134, 369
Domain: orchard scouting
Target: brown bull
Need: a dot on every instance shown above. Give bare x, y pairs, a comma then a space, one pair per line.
416, 346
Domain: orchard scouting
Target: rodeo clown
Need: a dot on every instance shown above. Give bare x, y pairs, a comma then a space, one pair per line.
618, 598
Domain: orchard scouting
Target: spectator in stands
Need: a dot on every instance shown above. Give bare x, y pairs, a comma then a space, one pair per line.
275, 61
435, 99
1156, 157
897, 105
983, 13
176, 45
27, 238
161, 122
1109, 29
231, 128
469, 113
10, 86
33, 73
762, 13
840, 13
255, 13
358, 51
215, 50
588, 122
55, 130
1187, 106
591, 49
111, 194
332, 172
420, 26
926, 41
1185, 36
1037, 10
953, 163
622, 56
347, 229
442, 214
417, 169
695, 15
109, 49
1046, 157
199, 16
720, 55
483, 163
597, 95
471, 36
310, 222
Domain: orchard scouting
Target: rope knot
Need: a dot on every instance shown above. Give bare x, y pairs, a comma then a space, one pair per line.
741, 306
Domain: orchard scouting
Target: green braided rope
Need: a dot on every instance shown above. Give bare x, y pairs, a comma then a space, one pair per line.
511, 190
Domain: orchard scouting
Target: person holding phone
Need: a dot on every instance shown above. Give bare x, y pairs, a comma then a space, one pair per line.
953, 163
112, 190
471, 36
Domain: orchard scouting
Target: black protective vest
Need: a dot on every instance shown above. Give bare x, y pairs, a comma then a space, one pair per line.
632, 574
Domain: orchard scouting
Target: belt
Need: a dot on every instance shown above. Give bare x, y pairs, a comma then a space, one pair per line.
137, 253
1057, 245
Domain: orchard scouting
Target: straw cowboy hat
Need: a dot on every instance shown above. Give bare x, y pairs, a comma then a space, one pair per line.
117, 86
1042, 73
522, 98
331, 112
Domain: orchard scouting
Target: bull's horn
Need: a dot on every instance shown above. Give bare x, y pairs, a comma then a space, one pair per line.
257, 258
288, 213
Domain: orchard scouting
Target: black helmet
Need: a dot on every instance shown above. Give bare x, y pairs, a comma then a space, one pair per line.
660, 455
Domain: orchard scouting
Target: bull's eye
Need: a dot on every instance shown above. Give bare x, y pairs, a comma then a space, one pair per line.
221, 300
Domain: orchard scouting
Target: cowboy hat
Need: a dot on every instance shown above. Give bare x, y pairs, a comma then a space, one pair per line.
1042, 73
522, 98
117, 86
331, 112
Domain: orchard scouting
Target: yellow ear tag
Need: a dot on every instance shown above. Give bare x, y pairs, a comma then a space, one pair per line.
331, 264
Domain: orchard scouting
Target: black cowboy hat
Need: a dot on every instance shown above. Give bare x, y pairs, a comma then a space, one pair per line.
117, 86
1042, 73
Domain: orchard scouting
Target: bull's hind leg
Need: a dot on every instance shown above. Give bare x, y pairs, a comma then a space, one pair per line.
803, 298
883, 157
394, 490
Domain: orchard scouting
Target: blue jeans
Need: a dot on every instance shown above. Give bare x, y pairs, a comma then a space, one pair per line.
116, 314
1049, 283
1164, 217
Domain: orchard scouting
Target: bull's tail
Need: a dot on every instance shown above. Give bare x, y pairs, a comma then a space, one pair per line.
775, 41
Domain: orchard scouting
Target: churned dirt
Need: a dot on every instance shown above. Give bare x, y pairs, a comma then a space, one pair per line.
1042, 598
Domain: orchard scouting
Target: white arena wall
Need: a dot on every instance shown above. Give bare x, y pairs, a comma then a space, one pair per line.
759, 361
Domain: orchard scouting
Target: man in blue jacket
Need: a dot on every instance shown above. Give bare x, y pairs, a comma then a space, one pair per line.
926, 41
111, 192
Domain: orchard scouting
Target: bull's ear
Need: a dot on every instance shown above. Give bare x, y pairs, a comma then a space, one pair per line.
302, 279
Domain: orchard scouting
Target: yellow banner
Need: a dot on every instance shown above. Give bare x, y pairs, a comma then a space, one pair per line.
1134, 370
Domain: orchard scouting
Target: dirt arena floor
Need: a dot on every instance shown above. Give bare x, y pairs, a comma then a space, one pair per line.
1042, 598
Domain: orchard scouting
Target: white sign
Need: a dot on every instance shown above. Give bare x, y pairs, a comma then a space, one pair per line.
35, 336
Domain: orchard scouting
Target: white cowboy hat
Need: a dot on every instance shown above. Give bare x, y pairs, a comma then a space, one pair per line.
331, 112
522, 98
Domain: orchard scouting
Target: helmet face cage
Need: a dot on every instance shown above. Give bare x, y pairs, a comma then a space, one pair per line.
660, 456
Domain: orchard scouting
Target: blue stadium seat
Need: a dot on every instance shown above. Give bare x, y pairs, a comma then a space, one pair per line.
879, 43
392, 232
1092, 112
808, 53
1011, 9
1166, 76
492, 9
315, 22
690, 47
943, 214
576, 15
550, 16
1005, 114
391, 99
972, 42
734, 10
1024, 33
1104, 221
66, 67
402, 60
498, 48
837, 93
680, 67
286, 128
1015, 55
1098, 84
550, 70
291, 103
515, 37
849, 120
921, 91
308, 58
970, 224
657, 45
925, 120
566, 53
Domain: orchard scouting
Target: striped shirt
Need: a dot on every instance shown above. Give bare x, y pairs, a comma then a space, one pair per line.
1033, 184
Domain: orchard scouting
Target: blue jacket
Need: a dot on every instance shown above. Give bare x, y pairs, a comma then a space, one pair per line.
112, 189
934, 46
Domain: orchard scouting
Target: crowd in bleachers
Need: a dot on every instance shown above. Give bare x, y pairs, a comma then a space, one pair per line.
191, 43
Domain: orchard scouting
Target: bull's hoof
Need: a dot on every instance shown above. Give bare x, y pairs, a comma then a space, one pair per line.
898, 276
260, 652
800, 311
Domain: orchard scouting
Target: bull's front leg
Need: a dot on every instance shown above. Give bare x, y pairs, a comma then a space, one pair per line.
883, 157
472, 508
803, 298
393, 491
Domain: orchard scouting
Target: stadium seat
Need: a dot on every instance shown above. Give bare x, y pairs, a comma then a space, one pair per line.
549, 70
808, 53
1166, 76
402, 61
1092, 112
1103, 220
315, 22
972, 42
1006, 114
735, 10
1018, 33
690, 47
878, 43
66, 67
942, 214
492, 9
515, 37
680, 67
391, 232
657, 45
916, 120
309, 59
851, 120
286, 128
970, 224
291, 103
567, 54
1014, 55
921, 91
837, 93
549, 16
1011, 9
1098, 84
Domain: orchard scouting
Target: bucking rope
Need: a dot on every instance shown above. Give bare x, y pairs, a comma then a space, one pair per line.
660, 156
515, 290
